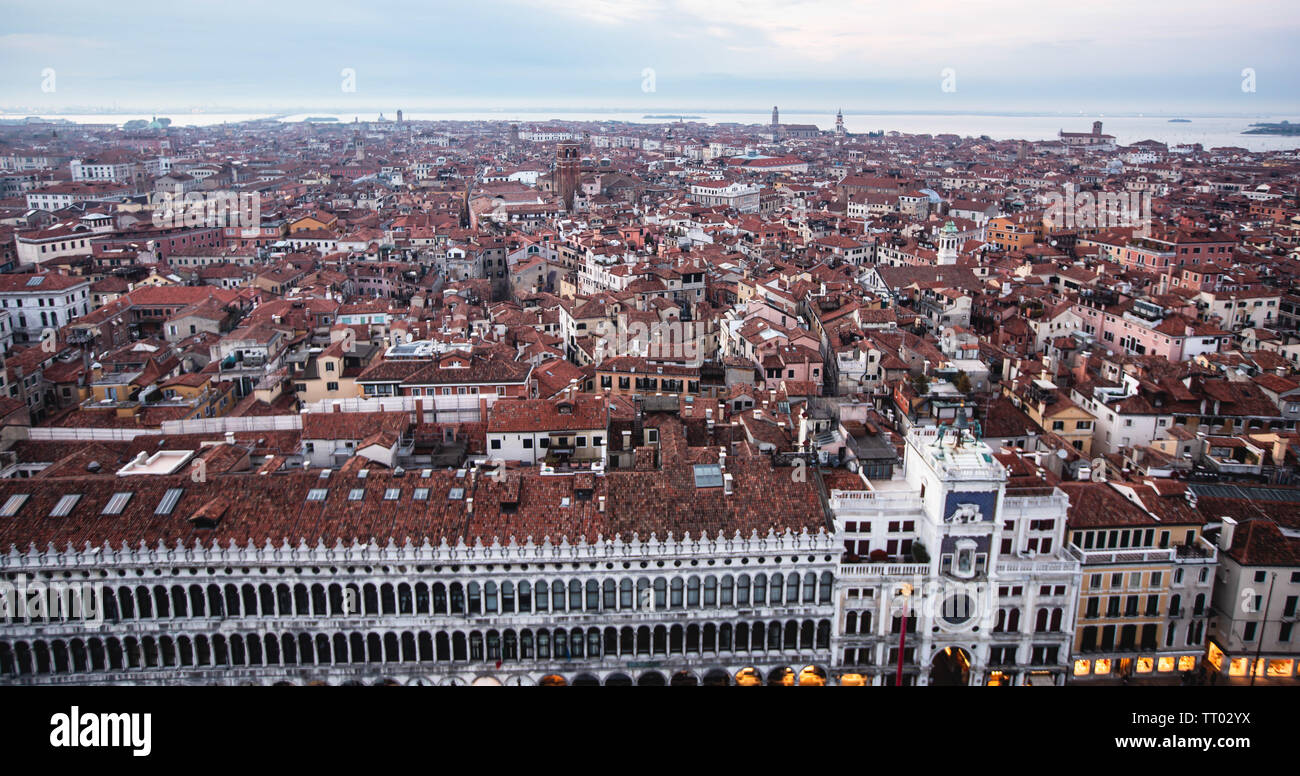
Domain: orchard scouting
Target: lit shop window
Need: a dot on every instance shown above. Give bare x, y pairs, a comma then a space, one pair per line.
1216, 657
1082, 667
1280, 667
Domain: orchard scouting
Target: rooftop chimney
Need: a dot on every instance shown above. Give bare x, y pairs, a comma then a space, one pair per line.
1226, 533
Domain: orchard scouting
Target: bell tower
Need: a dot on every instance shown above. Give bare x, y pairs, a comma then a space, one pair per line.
568, 161
948, 241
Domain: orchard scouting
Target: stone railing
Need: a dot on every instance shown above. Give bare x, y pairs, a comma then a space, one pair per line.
547, 551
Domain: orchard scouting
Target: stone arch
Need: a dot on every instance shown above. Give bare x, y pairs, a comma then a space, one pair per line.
950, 667
812, 676
716, 677
684, 679
749, 677
782, 676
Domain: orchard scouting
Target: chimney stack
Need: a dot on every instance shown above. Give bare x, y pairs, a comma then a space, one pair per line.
1226, 533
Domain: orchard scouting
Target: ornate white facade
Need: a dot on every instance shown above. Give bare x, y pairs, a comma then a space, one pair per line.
983, 608
651, 612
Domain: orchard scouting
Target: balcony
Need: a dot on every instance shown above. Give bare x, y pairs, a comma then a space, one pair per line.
1227, 465
863, 501
1037, 566
1055, 504
1117, 555
1201, 551
858, 571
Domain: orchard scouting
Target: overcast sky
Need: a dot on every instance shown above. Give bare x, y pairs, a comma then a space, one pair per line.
1099, 55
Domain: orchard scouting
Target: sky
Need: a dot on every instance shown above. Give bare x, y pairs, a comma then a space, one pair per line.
1153, 56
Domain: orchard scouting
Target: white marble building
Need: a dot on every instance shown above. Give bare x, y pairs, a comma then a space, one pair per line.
984, 607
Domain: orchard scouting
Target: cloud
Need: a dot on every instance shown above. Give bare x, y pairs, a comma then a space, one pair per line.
743, 52
887, 34
46, 44
606, 12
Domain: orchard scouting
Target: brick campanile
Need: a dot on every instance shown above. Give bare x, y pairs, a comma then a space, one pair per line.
568, 159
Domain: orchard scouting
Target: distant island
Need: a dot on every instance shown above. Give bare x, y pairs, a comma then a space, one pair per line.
1180, 121
155, 123
673, 116
1281, 128
316, 119
33, 120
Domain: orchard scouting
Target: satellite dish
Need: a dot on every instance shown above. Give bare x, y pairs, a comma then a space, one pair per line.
1062, 454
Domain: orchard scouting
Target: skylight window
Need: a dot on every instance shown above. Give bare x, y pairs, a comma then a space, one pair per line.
392, 494
65, 505
456, 494
317, 494
13, 504
117, 503
708, 475
356, 494
421, 494
169, 500
34, 281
